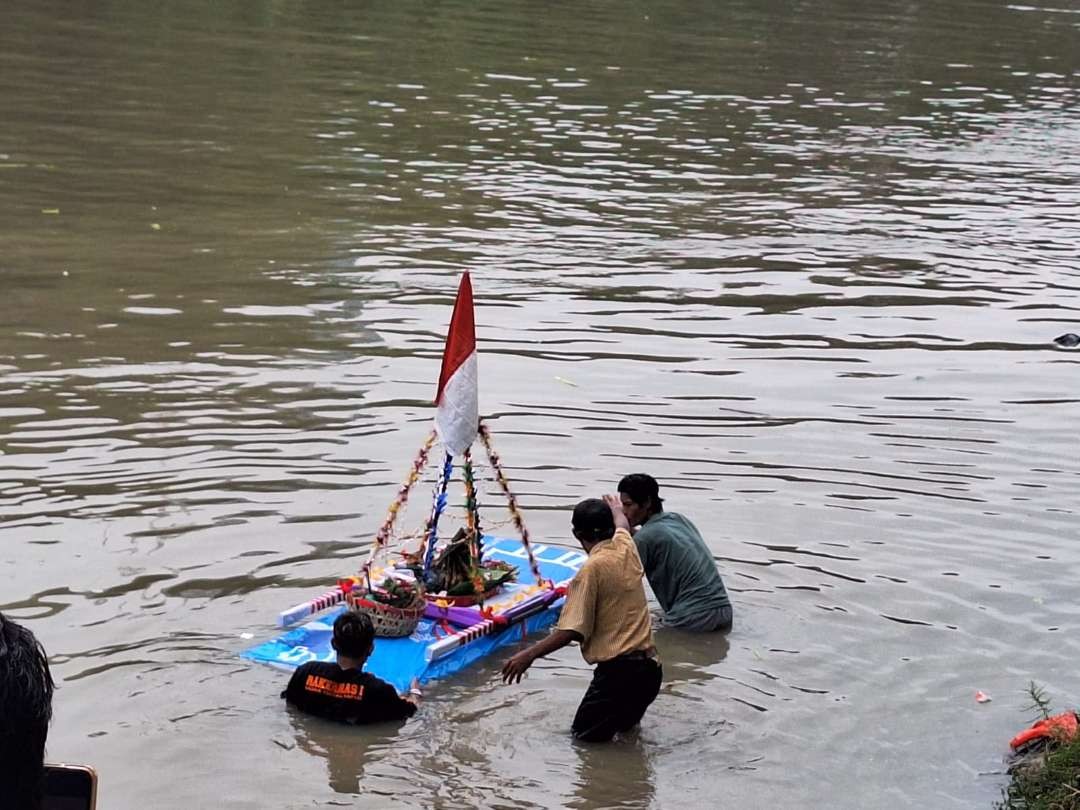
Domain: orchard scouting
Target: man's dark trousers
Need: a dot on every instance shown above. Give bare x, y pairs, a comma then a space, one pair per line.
620, 692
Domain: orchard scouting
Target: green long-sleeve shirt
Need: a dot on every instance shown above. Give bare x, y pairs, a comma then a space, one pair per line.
680, 568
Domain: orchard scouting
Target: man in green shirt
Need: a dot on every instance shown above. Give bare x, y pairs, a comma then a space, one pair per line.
679, 566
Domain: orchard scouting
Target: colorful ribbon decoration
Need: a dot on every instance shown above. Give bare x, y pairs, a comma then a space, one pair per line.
399, 502
472, 511
472, 519
515, 512
518, 613
426, 552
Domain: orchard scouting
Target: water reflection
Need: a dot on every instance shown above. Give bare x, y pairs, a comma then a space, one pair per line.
690, 657
614, 775
346, 749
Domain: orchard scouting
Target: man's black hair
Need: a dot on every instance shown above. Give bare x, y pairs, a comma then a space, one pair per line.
593, 520
26, 690
640, 488
353, 634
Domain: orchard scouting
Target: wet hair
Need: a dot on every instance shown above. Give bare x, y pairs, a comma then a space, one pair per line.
641, 489
26, 690
353, 634
593, 520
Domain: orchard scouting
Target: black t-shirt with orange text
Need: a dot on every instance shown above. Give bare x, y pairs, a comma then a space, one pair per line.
324, 689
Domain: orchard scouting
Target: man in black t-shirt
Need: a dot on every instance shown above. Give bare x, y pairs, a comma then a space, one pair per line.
26, 691
343, 691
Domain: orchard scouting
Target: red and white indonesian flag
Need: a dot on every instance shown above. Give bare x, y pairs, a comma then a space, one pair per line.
458, 412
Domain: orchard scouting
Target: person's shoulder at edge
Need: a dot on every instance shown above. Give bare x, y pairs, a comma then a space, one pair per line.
629, 548
298, 674
688, 525
663, 522
650, 529
385, 694
377, 684
617, 540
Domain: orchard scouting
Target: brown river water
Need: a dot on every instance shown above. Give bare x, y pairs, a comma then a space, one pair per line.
803, 262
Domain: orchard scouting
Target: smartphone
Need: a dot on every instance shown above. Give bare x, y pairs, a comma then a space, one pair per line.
70, 787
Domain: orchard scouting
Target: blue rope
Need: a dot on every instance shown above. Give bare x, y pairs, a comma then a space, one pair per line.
436, 511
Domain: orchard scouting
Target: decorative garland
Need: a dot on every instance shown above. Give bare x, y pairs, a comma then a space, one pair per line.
472, 522
472, 511
515, 513
399, 502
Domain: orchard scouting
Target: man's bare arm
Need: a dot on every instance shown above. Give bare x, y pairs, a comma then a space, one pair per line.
616, 510
514, 668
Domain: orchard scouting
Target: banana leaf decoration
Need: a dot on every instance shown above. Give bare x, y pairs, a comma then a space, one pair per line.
452, 570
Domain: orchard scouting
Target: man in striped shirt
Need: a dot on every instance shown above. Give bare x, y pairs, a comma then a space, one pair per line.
606, 612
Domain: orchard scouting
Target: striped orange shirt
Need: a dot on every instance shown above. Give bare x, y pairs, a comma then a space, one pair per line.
606, 604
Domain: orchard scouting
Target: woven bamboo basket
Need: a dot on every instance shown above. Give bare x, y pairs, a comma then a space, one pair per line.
389, 621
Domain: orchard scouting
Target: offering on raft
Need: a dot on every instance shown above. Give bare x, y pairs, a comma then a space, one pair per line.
395, 606
457, 580
436, 599
493, 574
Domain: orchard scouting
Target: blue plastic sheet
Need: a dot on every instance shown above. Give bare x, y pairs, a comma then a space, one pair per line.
398, 660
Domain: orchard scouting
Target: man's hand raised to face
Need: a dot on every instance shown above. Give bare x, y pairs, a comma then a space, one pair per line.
615, 503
